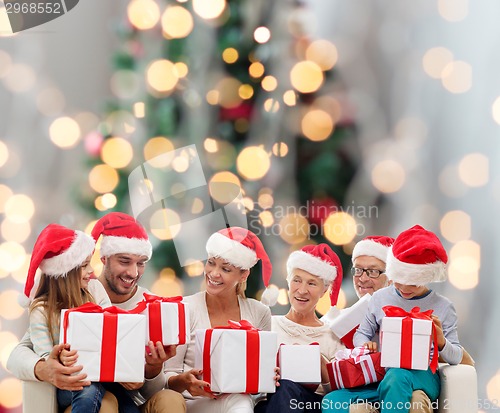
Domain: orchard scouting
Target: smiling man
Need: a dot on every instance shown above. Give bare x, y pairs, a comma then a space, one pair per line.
125, 250
368, 259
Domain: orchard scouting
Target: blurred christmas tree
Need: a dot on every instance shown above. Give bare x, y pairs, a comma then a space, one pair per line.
241, 80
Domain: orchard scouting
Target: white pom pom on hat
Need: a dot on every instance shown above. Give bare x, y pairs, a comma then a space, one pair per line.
417, 257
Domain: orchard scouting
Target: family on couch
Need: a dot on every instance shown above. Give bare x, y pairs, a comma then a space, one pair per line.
397, 272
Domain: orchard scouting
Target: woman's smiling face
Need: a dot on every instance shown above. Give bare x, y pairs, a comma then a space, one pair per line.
221, 277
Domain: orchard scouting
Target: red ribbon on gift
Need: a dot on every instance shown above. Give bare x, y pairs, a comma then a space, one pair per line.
109, 335
153, 302
252, 353
407, 331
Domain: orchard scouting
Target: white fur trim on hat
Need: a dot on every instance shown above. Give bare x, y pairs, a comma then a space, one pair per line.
82, 246
111, 245
414, 274
311, 264
232, 251
370, 248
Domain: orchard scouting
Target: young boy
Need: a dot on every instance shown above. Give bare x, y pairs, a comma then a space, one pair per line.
417, 258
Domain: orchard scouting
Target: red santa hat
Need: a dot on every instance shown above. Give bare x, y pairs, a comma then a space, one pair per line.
417, 257
373, 246
56, 252
121, 233
319, 260
242, 248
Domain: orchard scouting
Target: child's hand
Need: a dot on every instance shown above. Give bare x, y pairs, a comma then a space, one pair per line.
439, 329
68, 357
371, 345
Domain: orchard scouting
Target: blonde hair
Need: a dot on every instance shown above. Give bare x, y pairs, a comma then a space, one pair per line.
240, 289
55, 294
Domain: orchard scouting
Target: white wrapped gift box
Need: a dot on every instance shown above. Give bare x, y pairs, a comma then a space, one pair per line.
167, 320
300, 363
345, 324
405, 347
237, 360
111, 347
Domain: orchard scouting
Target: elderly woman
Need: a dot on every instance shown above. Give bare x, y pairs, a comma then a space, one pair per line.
231, 254
311, 271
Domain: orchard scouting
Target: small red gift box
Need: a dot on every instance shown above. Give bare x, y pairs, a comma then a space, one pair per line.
354, 368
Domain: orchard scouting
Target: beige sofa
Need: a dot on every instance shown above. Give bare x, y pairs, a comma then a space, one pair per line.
458, 392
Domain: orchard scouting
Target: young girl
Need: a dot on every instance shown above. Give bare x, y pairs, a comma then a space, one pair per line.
63, 256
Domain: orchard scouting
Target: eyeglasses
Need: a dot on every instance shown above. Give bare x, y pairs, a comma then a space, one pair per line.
370, 272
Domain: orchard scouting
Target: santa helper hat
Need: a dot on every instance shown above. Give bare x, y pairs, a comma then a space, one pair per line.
57, 251
242, 248
417, 257
121, 233
319, 260
373, 246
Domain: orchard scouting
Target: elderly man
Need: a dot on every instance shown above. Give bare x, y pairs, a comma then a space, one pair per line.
125, 249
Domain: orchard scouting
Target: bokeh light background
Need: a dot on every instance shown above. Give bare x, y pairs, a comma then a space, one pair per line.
422, 80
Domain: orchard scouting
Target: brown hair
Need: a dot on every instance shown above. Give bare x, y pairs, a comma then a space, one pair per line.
55, 294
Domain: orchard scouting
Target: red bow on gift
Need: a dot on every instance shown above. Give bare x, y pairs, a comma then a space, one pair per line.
150, 298
91, 308
239, 325
357, 353
407, 327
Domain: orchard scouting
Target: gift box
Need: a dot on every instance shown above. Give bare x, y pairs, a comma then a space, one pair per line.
405, 339
346, 323
300, 363
237, 358
354, 368
167, 319
110, 342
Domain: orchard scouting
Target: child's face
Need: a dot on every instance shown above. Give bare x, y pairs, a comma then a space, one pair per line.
87, 273
410, 291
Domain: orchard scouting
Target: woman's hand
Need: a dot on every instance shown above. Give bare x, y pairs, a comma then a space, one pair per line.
189, 381
68, 357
